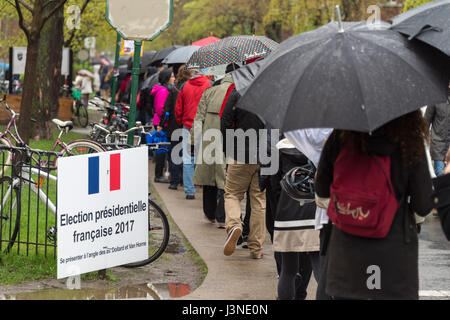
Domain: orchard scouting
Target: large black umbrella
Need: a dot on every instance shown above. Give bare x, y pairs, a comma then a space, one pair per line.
245, 75
429, 23
351, 79
162, 54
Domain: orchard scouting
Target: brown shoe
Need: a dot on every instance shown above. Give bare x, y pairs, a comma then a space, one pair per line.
230, 244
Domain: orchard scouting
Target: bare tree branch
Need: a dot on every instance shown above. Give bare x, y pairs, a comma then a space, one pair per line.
26, 5
21, 20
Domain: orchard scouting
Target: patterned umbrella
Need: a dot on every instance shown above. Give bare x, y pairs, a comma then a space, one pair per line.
232, 49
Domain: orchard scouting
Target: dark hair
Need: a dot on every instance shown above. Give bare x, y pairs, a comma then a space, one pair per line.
164, 76
409, 132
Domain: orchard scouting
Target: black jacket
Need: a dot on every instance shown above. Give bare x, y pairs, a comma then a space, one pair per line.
441, 200
438, 117
234, 118
169, 108
396, 255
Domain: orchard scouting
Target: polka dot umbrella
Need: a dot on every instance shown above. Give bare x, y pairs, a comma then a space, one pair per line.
232, 49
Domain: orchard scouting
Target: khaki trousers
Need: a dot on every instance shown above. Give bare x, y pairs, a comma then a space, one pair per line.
240, 179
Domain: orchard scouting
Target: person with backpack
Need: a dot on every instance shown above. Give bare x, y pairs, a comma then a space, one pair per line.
295, 237
372, 184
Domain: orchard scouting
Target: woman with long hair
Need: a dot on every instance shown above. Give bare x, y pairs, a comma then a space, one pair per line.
384, 266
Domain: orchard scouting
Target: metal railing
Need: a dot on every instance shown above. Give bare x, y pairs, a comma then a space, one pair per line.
28, 193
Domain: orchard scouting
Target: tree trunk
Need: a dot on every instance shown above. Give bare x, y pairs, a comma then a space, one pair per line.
30, 73
49, 81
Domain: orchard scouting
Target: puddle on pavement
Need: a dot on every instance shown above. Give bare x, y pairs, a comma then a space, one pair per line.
144, 291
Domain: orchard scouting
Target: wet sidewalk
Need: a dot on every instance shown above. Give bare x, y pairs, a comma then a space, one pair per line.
237, 277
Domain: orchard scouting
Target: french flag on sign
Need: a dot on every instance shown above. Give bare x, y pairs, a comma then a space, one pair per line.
94, 173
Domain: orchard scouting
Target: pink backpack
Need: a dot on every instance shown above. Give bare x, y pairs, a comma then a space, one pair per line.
362, 199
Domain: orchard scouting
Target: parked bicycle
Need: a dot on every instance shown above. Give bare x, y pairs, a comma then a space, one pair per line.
79, 110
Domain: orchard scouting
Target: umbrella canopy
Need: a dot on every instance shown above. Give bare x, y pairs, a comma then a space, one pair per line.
205, 41
429, 23
162, 54
352, 80
146, 59
245, 75
87, 73
180, 55
232, 49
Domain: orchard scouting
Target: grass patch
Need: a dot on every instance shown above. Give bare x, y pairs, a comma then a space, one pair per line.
15, 268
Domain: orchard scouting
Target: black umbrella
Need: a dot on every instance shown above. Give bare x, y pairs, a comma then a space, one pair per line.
146, 59
429, 23
354, 79
244, 76
162, 54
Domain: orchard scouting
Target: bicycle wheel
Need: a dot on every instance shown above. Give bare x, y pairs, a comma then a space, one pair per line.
83, 117
10, 208
5, 157
158, 235
78, 147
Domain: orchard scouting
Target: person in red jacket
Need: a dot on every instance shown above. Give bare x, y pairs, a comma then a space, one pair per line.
185, 112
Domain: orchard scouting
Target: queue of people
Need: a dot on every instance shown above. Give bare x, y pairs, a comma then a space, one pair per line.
306, 241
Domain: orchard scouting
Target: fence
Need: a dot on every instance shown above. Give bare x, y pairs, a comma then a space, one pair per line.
28, 193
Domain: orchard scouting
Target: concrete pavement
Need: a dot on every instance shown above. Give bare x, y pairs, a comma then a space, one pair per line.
237, 277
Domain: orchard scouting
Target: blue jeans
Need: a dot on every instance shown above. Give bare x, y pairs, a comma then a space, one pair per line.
188, 165
439, 167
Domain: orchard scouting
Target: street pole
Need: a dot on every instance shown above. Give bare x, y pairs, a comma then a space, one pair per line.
134, 88
116, 71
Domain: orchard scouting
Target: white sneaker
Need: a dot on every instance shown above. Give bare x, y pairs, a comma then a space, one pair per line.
230, 244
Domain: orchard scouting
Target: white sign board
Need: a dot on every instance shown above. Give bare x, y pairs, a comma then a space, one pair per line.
19, 60
102, 211
139, 19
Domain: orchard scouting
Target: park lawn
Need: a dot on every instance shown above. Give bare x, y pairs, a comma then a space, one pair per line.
26, 260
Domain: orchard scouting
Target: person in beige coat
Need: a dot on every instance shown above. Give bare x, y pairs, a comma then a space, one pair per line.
210, 165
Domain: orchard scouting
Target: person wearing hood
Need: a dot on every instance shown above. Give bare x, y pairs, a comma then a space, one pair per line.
384, 264
160, 92
185, 112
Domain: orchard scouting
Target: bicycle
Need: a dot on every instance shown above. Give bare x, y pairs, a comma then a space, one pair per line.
23, 168
79, 110
158, 227
11, 137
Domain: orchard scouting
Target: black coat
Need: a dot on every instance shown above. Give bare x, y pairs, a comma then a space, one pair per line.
234, 118
169, 107
396, 255
441, 200
439, 118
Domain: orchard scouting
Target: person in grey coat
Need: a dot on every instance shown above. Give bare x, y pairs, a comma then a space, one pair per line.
438, 117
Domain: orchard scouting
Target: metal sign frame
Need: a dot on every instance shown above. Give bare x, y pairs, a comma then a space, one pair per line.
157, 34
